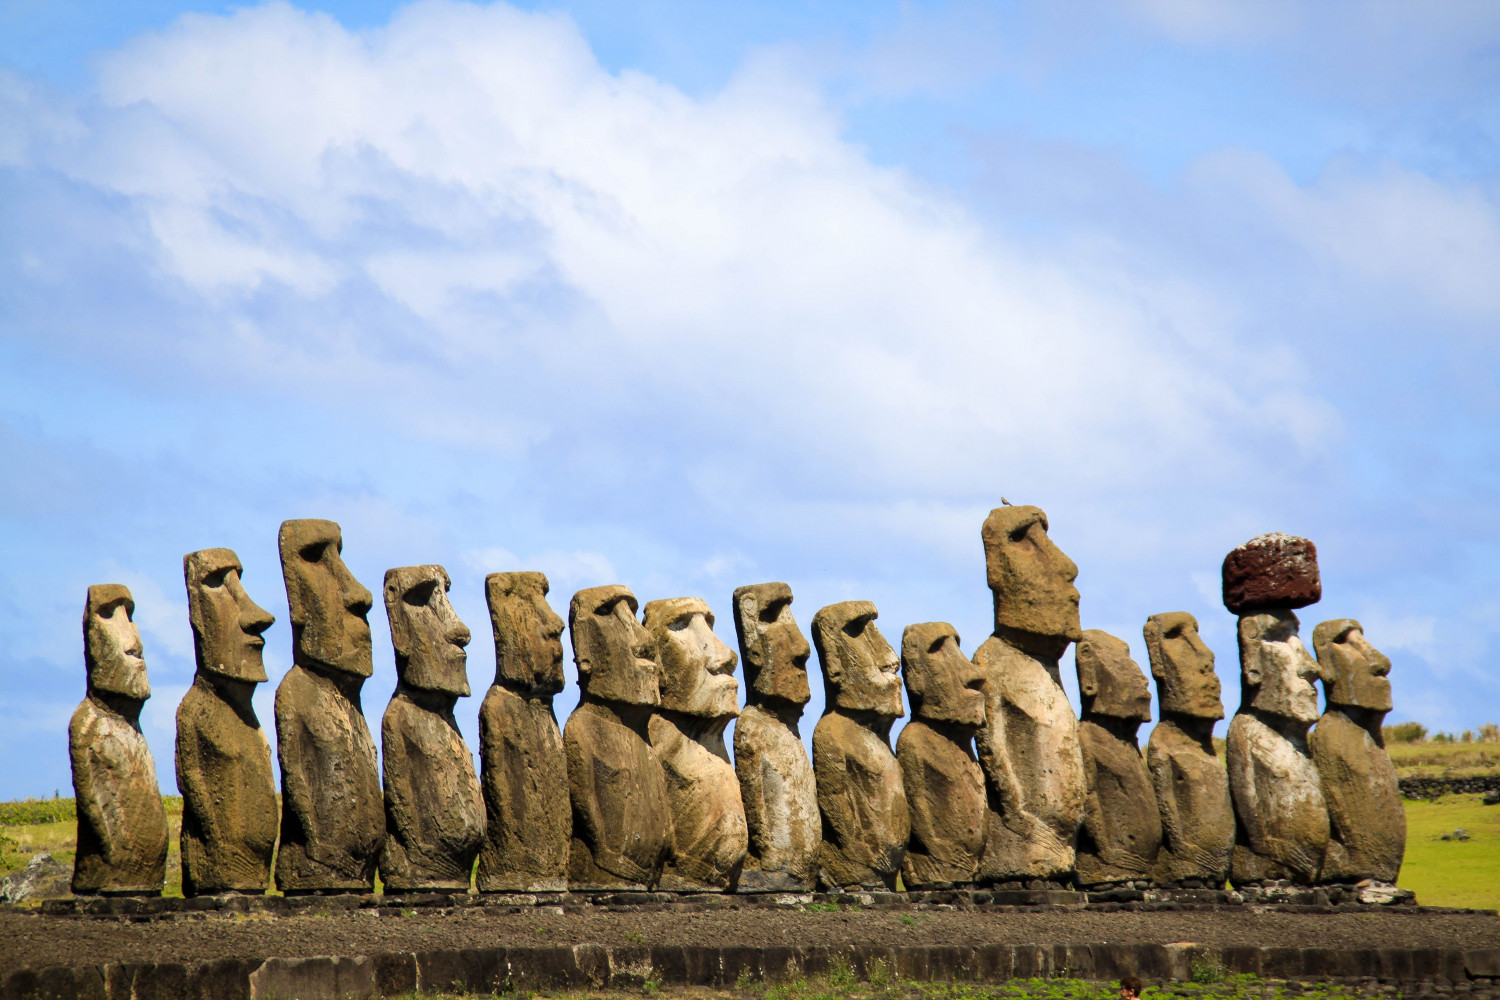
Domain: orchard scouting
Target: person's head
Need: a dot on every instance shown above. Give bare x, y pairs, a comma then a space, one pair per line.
328, 606
696, 669
1276, 670
1030, 577
942, 683
528, 633
773, 648
426, 632
861, 672
1130, 986
112, 644
616, 656
1354, 672
227, 624
1183, 666
1109, 681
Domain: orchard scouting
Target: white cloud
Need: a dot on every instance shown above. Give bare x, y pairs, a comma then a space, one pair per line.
610, 235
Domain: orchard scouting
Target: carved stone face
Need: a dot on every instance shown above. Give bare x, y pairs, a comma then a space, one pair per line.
1030, 577
774, 649
227, 624
615, 654
1183, 666
426, 632
861, 671
697, 670
1354, 672
942, 683
1276, 669
112, 644
1110, 682
528, 633
329, 607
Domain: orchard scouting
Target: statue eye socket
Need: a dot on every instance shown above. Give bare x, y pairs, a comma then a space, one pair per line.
421, 595
313, 552
679, 623
216, 578
771, 612
1019, 534
1175, 632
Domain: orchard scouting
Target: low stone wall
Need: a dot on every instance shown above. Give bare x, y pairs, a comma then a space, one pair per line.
497, 970
1431, 788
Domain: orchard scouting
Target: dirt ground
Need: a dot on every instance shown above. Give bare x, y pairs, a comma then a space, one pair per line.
34, 941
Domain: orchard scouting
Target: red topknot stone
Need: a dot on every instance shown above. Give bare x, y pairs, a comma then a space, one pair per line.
1270, 573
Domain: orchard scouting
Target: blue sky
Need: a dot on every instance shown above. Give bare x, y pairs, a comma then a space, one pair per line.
687, 296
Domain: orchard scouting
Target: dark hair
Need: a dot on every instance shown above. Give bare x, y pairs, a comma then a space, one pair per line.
1131, 983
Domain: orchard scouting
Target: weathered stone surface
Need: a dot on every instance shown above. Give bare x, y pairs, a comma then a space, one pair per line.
1368, 823
1278, 797
1029, 744
1192, 787
777, 785
332, 816
940, 773
860, 795
434, 810
1121, 833
622, 814
42, 878
523, 769
223, 757
122, 827
699, 697
1271, 572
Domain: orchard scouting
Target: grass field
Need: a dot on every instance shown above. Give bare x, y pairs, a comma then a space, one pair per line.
1435, 760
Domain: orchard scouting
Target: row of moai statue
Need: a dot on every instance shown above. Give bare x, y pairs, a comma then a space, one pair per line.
993, 781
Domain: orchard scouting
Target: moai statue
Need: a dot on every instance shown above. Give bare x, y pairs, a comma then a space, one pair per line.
1368, 822
1278, 797
223, 758
1029, 744
1121, 833
122, 827
524, 771
622, 812
434, 810
699, 697
332, 818
865, 820
777, 785
1192, 787
941, 776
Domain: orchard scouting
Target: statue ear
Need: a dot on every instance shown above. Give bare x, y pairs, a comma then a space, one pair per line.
1088, 676
1253, 673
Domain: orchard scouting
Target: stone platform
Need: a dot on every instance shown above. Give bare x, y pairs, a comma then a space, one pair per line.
1284, 898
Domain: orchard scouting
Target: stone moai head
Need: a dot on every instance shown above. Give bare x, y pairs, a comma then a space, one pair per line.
1354, 672
861, 672
528, 633
774, 649
1109, 681
1276, 670
227, 624
1030, 577
616, 656
112, 644
426, 632
942, 684
696, 669
328, 606
1183, 665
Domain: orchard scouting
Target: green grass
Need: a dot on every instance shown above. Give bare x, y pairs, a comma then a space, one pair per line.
1453, 872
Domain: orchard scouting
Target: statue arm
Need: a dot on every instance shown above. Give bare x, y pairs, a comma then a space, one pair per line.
1255, 775
831, 771
995, 760
590, 822
752, 792
296, 742
89, 792
197, 798
400, 805
1162, 768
